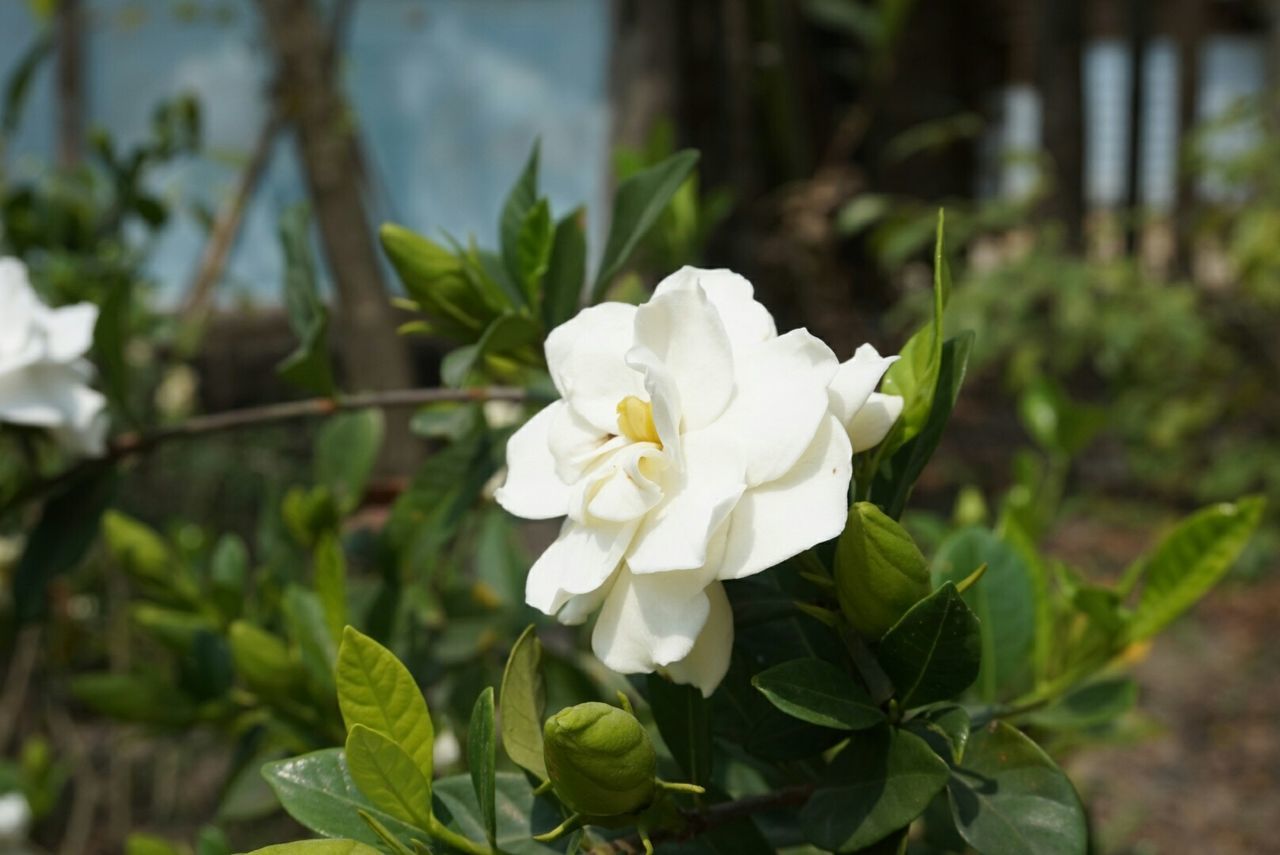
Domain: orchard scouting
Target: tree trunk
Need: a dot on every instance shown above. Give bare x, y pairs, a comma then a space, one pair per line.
1139, 28
1190, 25
310, 95
70, 82
1062, 99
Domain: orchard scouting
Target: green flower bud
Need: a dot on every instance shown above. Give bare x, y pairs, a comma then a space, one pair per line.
600, 760
880, 572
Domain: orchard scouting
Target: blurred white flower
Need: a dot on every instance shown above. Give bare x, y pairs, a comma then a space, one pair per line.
446, 750
693, 445
15, 818
44, 377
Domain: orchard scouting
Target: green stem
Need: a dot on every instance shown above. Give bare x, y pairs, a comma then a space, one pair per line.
456, 840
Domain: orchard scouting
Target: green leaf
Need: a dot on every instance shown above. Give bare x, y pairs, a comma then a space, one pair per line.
149, 844
879, 783
377, 691
880, 572
1004, 600
318, 847
309, 630
1008, 798
458, 304
139, 549
346, 451
945, 728
566, 271
898, 476
110, 339
818, 692
262, 660
533, 249
1090, 705
506, 334
308, 367
637, 205
521, 704
683, 717
520, 200
934, 652
317, 790
20, 74
1190, 561
228, 575
67, 528
520, 815
914, 377
330, 581
141, 698
482, 757
388, 776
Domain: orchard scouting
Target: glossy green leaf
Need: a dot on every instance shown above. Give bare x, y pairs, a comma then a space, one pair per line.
637, 204
1009, 798
519, 814
317, 790
67, 528
933, 653
683, 717
482, 758
377, 691
880, 573
1004, 600
521, 704
818, 692
318, 847
878, 784
533, 248
346, 451
329, 577
566, 271
945, 728
899, 474
1190, 561
1090, 705
388, 777
522, 197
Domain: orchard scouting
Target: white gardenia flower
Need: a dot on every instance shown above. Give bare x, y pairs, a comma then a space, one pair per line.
692, 445
15, 818
44, 377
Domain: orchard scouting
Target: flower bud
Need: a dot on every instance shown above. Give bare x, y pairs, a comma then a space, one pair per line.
880, 572
599, 759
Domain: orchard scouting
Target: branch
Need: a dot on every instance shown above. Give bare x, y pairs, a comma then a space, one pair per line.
129, 444
698, 822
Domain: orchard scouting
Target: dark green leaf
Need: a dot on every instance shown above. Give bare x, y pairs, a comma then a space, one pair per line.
683, 717
520, 815
482, 747
818, 692
934, 652
521, 704
1008, 798
346, 451
1090, 705
945, 728
636, 206
309, 366
533, 249
329, 577
897, 477
1004, 600
110, 338
19, 83
879, 783
228, 574
317, 790
141, 698
1190, 561
507, 333
566, 272
305, 617
67, 528
521, 199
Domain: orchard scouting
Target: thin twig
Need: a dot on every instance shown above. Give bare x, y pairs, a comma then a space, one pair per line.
14, 695
698, 822
129, 444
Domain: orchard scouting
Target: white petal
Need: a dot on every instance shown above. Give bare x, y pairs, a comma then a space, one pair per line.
664, 396
582, 606
586, 358
856, 380
36, 395
780, 403
873, 422
21, 305
806, 506
533, 490
86, 430
677, 535
649, 621
684, 331
708, 661
70, 331
577, 445
623, 487
580, 560
746, 321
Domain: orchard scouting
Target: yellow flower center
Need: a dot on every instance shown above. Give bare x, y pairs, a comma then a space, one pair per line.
635, 421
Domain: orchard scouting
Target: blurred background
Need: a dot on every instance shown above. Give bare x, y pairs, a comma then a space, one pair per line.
1110, 172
